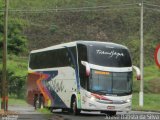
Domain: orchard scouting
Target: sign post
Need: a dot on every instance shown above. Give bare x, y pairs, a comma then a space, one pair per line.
157, 55
141, 92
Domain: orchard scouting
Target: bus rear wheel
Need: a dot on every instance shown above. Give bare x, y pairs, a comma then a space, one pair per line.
38, 102
41, 102
74, 109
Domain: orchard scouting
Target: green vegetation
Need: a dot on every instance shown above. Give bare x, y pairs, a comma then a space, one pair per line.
151, 102
151, 80
18, 102
17, 72
44, 111
17, 46
151, 72
18, 64
17, 42
17, 76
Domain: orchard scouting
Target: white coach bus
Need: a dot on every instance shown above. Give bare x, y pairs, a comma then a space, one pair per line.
81, 75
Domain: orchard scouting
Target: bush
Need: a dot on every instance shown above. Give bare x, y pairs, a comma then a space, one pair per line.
16, 85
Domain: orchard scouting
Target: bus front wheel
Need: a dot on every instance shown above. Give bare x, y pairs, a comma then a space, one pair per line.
74, 108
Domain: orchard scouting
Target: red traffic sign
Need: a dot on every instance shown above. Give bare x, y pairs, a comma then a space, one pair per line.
157, 55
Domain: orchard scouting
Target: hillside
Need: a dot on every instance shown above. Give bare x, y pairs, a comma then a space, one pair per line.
51, 22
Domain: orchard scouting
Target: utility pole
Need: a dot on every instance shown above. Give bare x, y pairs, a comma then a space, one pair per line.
141, 58
4, 101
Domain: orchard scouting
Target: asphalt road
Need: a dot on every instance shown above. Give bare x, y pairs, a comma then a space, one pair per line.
28, 113
82, 116
132, 115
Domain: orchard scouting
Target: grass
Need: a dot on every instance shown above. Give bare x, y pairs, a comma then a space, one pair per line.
151, 102
18, 65
151, 80
151, 89
151, 72
44, 111
14, 102
20, 102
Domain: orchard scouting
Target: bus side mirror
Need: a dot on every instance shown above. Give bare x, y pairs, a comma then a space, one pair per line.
138, 72
87, 67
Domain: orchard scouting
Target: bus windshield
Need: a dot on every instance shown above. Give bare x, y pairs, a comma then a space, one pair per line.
109, 56
117, 83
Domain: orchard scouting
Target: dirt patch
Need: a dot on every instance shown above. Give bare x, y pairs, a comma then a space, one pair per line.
2, 112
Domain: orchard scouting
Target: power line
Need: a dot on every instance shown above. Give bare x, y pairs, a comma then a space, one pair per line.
158, 10
152, 5
96, 7
82, 10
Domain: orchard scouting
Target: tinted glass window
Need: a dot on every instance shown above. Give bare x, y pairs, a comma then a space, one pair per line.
52, 58
82, 56
110, 82
109, 57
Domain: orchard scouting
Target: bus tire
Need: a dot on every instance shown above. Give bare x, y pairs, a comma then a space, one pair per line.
41, 102
36, 102
65, 110
110, 113
74, 109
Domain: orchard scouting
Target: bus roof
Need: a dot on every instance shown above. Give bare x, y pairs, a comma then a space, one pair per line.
71, 44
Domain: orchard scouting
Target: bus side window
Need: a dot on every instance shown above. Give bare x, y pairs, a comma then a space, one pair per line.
69, 57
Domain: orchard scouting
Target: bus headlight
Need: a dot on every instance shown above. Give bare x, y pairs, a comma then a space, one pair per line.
93, 98
128, 100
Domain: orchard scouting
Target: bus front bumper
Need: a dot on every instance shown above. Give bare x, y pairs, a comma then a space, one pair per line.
102, 106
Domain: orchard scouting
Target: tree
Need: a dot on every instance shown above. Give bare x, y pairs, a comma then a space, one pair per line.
17, 41
16, 44
16, 84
